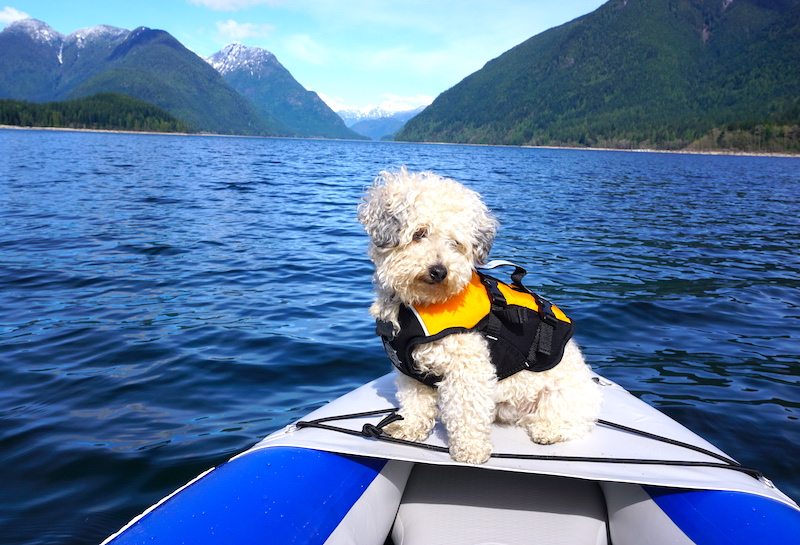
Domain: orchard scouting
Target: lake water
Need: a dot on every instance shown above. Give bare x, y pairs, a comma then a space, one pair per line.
166, 301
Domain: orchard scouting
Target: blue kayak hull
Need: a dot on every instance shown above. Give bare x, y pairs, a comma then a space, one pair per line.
318, 486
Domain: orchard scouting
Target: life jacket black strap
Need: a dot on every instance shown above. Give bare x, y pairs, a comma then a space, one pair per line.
496, 296
492, 326
543, 342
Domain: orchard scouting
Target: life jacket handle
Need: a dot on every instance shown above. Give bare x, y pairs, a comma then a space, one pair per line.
516, 277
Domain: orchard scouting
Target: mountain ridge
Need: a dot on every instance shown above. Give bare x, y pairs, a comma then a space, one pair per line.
633, 73
380, 124
402, 113
258, 75
41, 65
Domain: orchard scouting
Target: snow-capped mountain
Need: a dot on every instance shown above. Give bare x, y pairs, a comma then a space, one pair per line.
379, 122
38, 31
38, 64
257, 74
236, 56
87, 35
44, 34
401, 112
239, 90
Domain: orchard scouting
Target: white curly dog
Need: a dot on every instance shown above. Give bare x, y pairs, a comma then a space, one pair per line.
427, 234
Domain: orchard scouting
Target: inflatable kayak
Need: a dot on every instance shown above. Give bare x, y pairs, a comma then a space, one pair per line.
335, 478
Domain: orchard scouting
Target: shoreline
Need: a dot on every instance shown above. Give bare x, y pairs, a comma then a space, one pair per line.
626, 150
642, 150
112, 131
686, 152
157, 133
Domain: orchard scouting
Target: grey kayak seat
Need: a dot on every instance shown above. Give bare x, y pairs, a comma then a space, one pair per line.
471, 506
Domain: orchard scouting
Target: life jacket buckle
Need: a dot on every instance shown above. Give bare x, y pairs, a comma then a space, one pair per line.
546, 311
385, 330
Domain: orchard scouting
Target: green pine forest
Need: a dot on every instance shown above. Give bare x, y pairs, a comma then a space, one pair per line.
688, 75
103, 111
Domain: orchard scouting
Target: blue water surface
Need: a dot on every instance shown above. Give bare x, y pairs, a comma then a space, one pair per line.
166, 301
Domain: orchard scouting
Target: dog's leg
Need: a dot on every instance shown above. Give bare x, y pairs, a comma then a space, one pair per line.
568, 403
466, 394
552, 422
417, 407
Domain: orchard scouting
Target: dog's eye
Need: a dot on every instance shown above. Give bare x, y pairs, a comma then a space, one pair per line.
419, 234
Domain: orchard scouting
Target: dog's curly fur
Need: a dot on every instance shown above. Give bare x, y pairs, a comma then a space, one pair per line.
427, 234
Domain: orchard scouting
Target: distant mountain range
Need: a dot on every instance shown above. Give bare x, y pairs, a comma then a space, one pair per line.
237, 91
378, 123
663, 74
636, 73
352, 116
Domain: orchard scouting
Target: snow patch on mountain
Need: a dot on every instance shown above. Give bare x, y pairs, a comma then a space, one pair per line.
397, 107
45, 34
351, 116
236, 56
82, 36
39, 31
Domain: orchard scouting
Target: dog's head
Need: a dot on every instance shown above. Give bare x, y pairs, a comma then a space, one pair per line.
427, 234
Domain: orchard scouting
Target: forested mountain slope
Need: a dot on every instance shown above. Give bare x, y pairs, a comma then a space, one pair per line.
634, 73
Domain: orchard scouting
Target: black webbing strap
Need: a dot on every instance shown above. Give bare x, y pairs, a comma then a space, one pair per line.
375, 431
492, 326
543, 341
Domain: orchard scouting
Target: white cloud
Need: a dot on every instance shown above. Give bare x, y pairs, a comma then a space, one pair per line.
437, 60
397, 103
304, 48
390, 102
232, 30
336, 104
9, 15
234, 5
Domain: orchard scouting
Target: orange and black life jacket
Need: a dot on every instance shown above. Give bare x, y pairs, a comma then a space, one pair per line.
524, 331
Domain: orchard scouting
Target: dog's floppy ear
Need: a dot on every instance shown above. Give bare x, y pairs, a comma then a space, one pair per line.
379, 221
386, 232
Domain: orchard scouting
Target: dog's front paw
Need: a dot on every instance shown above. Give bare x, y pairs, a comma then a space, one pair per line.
470, 452
410, 429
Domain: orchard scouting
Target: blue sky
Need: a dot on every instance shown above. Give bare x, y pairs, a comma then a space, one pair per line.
351, 52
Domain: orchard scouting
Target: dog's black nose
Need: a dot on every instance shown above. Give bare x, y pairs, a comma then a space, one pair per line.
437, 273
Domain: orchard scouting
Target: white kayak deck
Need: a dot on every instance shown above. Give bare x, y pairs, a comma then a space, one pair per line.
619, 407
